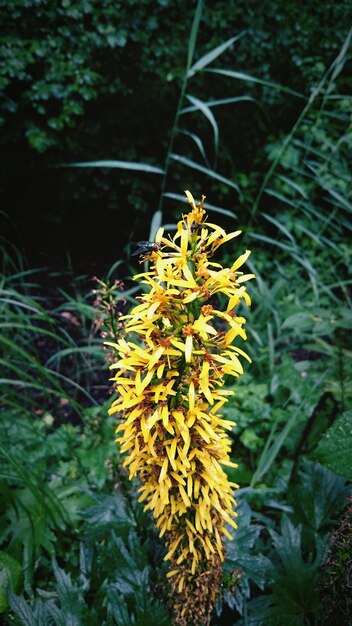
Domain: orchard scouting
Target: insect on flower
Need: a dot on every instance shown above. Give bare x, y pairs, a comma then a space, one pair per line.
146, 248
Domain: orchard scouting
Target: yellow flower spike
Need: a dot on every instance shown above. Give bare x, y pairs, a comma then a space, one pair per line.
175, 352
188, 348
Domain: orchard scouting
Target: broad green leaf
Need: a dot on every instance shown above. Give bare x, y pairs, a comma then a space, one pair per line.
317, 496
299, 321
10, 577
335, 448
70, 597
110, 511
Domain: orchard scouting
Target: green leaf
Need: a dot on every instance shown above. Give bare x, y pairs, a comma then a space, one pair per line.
299, 321
220, 102
70, 597
276, 440
242, 557
254, 79
194, 32
335, 448
201, 106
197, 140
10, 576
295, 571
317, 496
124, 165
109, 512
25, 614
205, 170
117, 608
213, 54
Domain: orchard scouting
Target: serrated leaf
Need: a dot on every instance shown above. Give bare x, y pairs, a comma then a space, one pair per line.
131, 557
288, 544
257, 612
10, 577
38, 613
335, 448
240, 553
117, 608
70, 598
110, 512
129, 580
22, 610
318, 496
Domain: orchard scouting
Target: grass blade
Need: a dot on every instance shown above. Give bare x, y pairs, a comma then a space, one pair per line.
124, 165
203, 108
205, 170
253, 79
209, 57
194, 33
197, 140
220, 102
209, 207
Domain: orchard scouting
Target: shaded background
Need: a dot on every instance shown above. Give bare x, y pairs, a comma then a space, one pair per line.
88, 80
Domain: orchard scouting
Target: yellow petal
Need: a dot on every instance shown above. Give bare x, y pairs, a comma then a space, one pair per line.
241, 259
188, 348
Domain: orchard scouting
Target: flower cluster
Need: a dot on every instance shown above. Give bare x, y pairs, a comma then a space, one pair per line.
176, 352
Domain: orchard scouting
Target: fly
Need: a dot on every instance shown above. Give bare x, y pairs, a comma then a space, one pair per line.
146, 247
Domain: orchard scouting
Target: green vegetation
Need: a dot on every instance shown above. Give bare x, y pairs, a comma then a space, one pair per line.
254, 111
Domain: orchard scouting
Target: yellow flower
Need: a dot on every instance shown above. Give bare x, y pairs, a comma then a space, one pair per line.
173, 359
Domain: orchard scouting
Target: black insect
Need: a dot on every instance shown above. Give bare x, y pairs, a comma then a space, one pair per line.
146, 247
